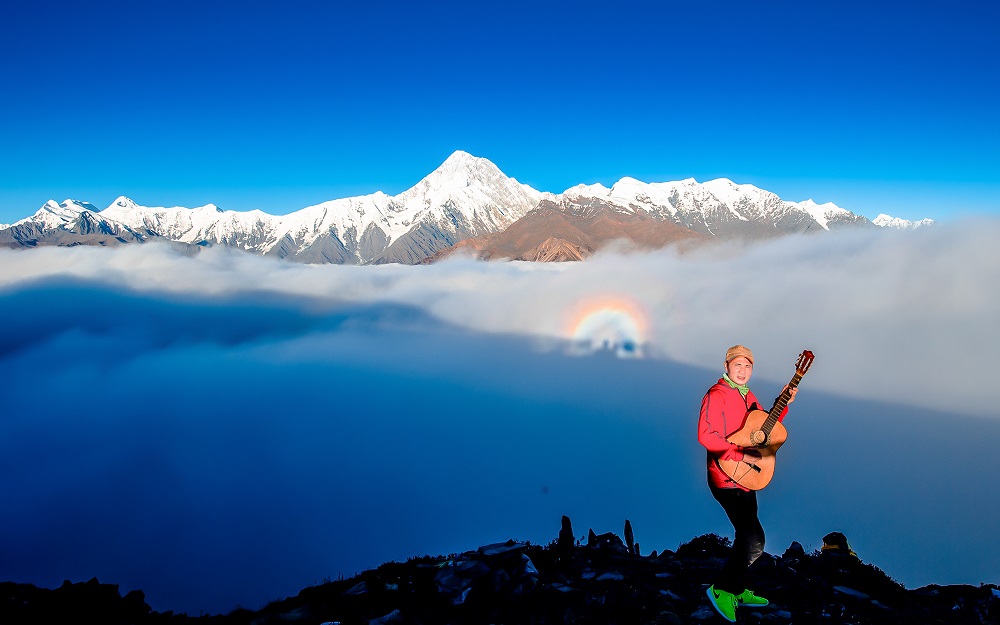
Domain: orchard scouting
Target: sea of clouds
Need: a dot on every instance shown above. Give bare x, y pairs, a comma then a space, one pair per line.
221, 429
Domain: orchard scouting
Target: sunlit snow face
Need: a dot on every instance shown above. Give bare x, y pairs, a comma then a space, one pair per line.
618, 325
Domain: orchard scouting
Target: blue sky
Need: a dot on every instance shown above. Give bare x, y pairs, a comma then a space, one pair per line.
878, 107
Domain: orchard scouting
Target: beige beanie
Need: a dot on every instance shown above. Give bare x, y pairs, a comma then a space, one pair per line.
738, 350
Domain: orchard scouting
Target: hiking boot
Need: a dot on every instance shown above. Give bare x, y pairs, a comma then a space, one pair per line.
723, 602
748, 598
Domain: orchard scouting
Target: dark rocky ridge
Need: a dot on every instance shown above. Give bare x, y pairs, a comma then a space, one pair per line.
600, 580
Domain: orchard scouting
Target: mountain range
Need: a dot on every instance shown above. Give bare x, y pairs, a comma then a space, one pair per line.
465, 204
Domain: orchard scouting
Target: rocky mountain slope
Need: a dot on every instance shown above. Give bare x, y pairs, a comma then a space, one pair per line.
573, 229
464, 198
602, 579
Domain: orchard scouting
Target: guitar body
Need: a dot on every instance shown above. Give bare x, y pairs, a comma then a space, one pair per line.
755, 474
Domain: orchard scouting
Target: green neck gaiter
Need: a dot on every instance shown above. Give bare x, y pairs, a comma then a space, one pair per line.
743, 389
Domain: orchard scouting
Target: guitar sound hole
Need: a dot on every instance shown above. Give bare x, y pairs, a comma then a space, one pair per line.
757, 437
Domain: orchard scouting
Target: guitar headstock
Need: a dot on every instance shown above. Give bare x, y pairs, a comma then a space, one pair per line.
804, 362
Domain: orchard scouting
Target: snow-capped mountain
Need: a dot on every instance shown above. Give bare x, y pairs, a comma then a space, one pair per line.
465, 197
69, 223
896, 223
720, 207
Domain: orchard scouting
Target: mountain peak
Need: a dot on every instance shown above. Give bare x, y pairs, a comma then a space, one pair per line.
123, 203
461, 156
463, 177
54, 214
67, 207
724, 182
888, 221
596, 190
463, 167
627, 182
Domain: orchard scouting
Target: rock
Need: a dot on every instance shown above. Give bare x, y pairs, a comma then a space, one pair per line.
566, 539
850, 592
298, 614
836, 541
607, 542
502, 548
455, 579
794, 553
668, 618
392, 617
357, 589
704, 613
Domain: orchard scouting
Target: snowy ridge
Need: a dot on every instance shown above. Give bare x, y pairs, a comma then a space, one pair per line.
714, 207
463, 189
338, 216
822, 213
896, 223
55, 215
466, 196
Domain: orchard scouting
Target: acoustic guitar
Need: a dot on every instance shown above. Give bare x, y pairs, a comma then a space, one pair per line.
762, 433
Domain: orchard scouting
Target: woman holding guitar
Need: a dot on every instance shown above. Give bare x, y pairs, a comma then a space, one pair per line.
724, 411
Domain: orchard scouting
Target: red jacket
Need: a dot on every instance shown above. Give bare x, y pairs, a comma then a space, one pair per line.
723, 412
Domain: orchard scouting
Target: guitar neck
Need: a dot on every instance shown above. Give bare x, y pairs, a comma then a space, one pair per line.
781, 403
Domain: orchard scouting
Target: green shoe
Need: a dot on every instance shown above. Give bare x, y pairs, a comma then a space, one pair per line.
748, 598
723, 602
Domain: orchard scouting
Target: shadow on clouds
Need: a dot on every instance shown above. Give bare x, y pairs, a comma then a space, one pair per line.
225, 430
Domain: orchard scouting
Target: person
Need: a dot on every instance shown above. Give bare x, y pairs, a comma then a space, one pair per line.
723, 410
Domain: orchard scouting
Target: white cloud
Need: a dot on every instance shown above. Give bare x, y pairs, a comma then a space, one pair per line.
897, 317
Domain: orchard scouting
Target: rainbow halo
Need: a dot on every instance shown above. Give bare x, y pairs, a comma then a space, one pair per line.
616, 324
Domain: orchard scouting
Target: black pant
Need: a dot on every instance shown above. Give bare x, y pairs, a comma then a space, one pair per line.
741, 508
